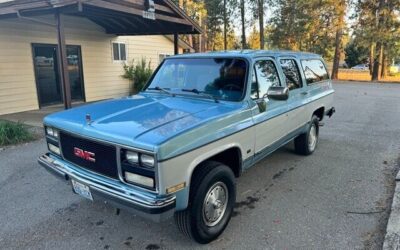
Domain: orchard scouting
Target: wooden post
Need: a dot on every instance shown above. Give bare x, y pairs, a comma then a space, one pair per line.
63, 62
176, 40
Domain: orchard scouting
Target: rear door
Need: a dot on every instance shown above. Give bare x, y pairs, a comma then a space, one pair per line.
298, 94
269, 115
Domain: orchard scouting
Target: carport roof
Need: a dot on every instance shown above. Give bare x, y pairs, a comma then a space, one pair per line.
119, 17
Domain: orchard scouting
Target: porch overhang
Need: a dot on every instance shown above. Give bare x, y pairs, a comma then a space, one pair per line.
118, 17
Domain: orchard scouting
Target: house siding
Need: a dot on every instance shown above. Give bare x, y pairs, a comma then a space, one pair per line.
102, 75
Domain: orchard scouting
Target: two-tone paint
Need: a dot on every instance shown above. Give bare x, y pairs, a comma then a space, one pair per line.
183, 131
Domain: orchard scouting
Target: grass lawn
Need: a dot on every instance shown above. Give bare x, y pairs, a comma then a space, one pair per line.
14, 133
357, 75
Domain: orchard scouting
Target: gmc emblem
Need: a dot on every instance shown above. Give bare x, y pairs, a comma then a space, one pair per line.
86, 155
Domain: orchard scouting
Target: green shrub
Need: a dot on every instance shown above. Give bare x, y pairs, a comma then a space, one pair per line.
13, 133
138, 73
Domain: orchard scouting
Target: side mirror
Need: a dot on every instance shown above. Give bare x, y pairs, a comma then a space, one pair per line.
278, 93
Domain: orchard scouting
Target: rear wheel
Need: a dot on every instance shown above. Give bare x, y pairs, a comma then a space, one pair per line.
211, 203
306, 143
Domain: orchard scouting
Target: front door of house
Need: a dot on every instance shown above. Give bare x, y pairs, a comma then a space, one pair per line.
48, 77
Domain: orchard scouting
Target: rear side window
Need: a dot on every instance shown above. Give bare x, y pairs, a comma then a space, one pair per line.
292, 73
314, 71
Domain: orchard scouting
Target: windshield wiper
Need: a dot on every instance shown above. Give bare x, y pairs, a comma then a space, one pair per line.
196, 91
163, 90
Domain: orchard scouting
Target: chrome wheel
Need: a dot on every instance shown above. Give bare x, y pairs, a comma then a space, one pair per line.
215, 203
312, 138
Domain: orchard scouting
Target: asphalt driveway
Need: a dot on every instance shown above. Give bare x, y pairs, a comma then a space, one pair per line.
338, 198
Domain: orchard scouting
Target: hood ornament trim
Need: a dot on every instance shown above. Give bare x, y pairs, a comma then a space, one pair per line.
88, 119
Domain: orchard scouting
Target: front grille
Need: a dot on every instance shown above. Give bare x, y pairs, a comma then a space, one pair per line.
105, 155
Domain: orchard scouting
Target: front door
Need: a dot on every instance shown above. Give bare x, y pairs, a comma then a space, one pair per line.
270, 115
48, 77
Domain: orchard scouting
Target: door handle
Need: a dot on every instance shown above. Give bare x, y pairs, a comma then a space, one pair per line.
304, 93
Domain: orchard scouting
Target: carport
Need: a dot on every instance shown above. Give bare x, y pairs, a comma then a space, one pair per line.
117, 17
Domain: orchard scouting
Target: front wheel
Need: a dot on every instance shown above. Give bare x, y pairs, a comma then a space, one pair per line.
306, 143
211, 203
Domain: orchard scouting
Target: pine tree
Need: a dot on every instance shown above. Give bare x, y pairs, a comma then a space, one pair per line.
258, 8
377, 27
340, 26
305, 25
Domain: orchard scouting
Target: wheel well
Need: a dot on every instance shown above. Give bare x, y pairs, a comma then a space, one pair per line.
231, 157
320, 113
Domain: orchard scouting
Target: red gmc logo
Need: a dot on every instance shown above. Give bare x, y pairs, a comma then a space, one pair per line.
86, 155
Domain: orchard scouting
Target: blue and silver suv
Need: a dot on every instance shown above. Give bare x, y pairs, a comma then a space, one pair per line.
176, 148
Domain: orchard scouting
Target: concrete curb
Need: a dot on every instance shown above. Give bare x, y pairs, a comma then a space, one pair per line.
392, 238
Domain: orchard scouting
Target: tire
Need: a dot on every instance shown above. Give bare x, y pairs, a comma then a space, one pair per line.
194, 222
305, 144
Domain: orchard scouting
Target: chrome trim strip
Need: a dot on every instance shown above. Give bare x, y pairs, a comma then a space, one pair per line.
108, 186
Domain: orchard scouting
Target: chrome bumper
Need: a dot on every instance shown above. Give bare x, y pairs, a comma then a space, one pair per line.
113, 191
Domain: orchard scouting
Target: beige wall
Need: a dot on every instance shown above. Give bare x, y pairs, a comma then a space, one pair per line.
102, 75
148, 47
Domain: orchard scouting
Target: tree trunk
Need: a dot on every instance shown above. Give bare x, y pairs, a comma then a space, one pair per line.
384, 64
371, 58
336, 59
200, 38
225, 27
243, 20
338, 42
261, 22
376, 74
196, 43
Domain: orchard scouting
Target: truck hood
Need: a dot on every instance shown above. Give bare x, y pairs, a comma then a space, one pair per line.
143, 121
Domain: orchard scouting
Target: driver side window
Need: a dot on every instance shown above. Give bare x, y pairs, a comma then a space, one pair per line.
266, 76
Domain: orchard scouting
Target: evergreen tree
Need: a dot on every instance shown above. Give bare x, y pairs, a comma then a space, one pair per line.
305, 25
340, 26
377, 27
258, 8
254, 39
356, 54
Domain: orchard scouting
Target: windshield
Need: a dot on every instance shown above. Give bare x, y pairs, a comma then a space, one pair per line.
219, 78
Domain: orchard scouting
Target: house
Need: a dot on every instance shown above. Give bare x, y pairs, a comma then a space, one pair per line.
97, 36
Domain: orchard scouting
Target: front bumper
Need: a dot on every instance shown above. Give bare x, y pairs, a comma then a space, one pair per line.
146, 205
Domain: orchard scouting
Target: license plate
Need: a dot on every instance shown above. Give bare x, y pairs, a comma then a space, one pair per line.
81, 189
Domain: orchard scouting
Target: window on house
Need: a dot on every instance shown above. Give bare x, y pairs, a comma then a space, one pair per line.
119, 51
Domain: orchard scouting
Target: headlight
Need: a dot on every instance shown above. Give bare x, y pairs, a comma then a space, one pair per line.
54, 149
132, 157
49, 131
138, 159
52, 132
139, 179
138, 168
147, 160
